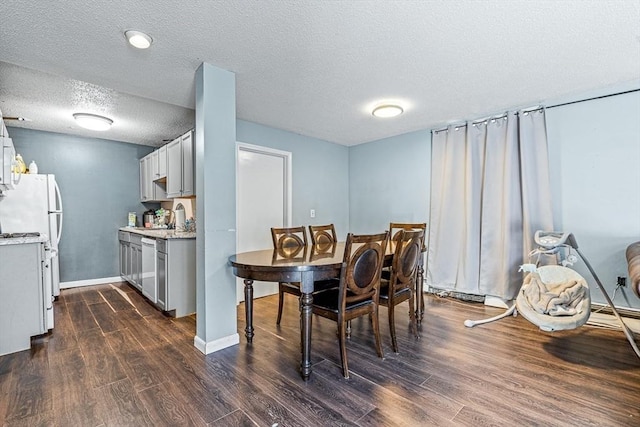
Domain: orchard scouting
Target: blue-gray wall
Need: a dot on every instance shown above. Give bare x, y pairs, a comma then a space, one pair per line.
594, 150
320, 174
100, 183
389, 181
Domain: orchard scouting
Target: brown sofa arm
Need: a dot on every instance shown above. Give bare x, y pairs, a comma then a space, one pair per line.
633, 261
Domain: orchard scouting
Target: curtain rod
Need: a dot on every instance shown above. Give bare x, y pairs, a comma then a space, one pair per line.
546, 108
593, 99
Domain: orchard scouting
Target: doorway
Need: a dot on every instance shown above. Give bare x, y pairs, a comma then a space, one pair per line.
263, 179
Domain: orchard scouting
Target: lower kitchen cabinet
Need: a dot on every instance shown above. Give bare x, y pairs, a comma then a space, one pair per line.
131, 258
23, 308
176, 275
136, 260
175, 271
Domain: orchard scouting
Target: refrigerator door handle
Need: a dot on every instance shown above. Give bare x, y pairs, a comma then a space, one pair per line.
59, 211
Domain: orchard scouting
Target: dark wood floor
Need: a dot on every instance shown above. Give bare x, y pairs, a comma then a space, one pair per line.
108, 362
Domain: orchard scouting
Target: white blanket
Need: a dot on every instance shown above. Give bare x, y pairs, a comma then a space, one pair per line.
554, 299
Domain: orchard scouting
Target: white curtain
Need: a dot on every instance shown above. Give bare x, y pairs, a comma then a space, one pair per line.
490, 192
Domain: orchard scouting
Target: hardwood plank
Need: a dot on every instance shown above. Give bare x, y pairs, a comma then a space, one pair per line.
106, 317
121, 406
74, 399
235, 419
63, 336
143, 329
116, 300
92, 295
206, 396
32, 394
104, 367
81, 316
139, 366
165, 406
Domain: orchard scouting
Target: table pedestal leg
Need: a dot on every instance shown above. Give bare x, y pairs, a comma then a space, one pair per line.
306, 299
248, 308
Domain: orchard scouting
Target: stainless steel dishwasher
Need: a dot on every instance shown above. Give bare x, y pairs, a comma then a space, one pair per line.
149, 276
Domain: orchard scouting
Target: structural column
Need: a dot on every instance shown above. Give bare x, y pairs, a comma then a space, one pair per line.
215, 177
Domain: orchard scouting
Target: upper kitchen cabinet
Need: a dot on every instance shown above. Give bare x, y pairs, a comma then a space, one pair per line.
151, 188
180, 166
162, 162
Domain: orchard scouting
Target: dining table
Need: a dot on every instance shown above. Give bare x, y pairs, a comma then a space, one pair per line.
304, 265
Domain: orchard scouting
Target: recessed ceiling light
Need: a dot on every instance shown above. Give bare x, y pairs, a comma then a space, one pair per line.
387, 110
93, 121
138, 39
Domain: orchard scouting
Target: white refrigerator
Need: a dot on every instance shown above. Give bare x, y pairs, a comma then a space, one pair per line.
35, 205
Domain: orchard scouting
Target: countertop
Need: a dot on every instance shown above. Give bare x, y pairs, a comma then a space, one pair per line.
160, 233
23, 240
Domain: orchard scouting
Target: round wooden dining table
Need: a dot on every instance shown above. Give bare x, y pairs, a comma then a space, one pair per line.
306, 266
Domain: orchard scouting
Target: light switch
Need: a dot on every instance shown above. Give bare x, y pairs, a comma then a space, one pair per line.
312, 213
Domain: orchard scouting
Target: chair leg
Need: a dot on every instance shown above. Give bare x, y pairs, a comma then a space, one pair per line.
392, 326
412, 315
280, 304
376, 332
348, 329
343, 348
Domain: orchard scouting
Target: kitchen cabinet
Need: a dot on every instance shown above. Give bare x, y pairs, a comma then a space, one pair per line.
151, 190
180, 182
131, 258
175, 270
124, 251
23, 309
162, 162
176, 274
136, 261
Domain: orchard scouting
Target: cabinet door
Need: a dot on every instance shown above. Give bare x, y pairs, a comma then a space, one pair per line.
161, 271
187, 164
153, 166
137, 265
174, 168
143, 180
123, 260
128, 267
162, 162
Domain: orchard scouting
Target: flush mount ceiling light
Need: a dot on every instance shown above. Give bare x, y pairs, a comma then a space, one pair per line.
387, 110
93, 121
138, 39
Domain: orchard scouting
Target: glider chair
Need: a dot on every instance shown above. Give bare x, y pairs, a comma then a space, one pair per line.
357, 294
401, 286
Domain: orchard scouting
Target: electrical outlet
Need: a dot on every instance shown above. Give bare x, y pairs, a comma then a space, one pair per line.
312, 213
622, 281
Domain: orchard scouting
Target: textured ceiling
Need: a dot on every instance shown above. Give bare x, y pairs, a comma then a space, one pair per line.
311, 67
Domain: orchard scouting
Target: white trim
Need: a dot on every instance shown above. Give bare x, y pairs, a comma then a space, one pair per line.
91, 282
213, 346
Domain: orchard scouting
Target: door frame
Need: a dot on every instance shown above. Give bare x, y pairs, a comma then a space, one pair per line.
288, 180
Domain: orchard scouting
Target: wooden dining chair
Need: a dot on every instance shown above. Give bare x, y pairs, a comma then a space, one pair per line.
401, 286
291, 244
322, 234
357, 294
394, 228
288, 243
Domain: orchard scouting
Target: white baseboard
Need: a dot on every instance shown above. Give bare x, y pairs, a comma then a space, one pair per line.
90, 282
213, 346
